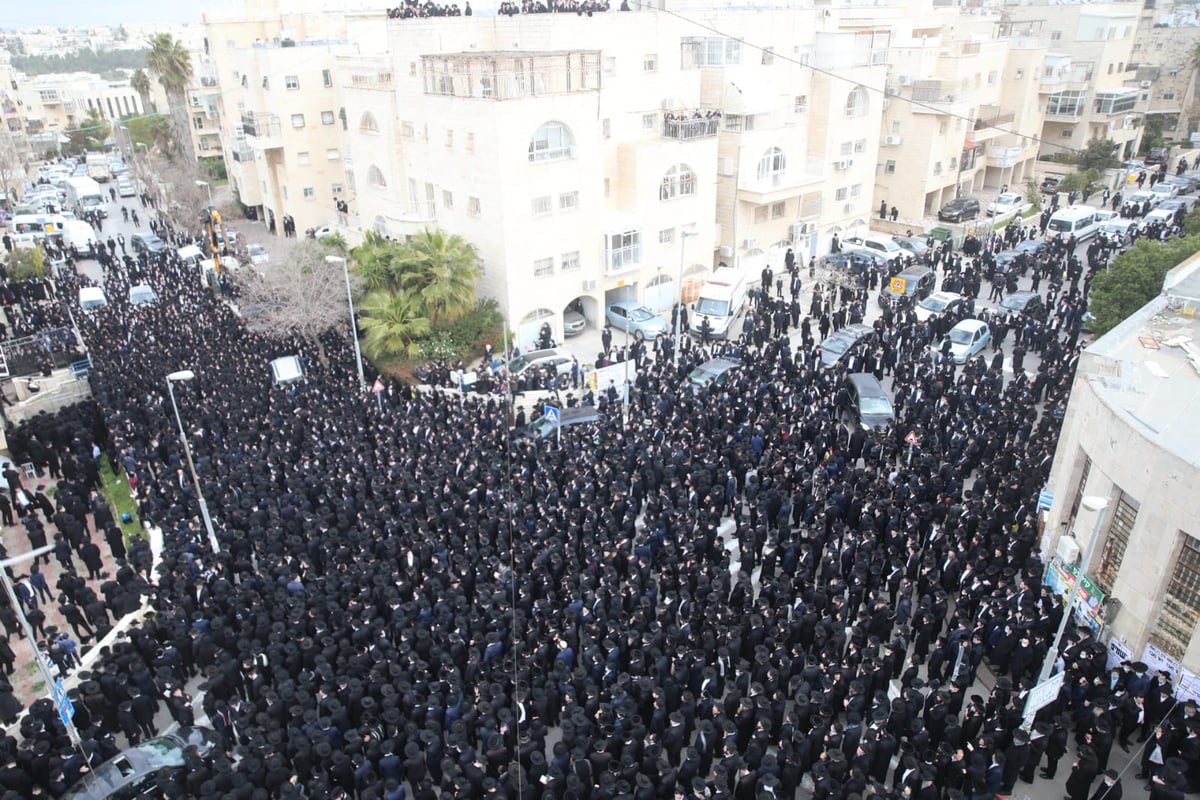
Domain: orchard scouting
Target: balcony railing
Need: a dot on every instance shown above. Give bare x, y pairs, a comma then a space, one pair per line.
699, 125
994, 121
261, 125
242, 153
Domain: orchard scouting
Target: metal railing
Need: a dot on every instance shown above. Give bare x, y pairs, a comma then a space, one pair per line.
685, 128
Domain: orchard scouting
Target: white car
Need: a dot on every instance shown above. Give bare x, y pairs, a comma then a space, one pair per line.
323, 232
937, 304
1118, 231
1005, 202
258, 254
882, 244
126, 189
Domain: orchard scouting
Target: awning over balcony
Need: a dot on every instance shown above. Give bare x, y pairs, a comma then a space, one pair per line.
744, 96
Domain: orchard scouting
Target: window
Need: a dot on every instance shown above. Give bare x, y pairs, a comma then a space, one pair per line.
841, 193
198, 123
449, 138
606, 128
570, 261
327, 78
303, 159
738, 122
666, 236
943, 127
710, 51
649, 121
937, 168
297, 120
607, 187
856, 190
541, 205
800, 105
856, 102
543, 267
336, 188
291, 82
367, 123
649, 62
568, 201
1116, 101
470, 143
266, 82
890, 167
1065, 104
624, 250
552, 141
412, 69
1120, 527
778, 209
447, 200
1067, 133
1168, 95
375, 177
610, 65
760, 214
847, 148
310, 193
473, 207
1181, 605
679, 181
327, 118
772, 166
406, 130
992, 76
768, 56
1055, 36
860, 146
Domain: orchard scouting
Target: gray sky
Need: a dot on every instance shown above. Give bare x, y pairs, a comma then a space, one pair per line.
23, 14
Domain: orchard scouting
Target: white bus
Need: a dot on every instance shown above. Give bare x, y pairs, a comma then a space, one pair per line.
83, 195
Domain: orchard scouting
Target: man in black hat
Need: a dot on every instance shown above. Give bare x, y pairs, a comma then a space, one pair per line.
1109, 788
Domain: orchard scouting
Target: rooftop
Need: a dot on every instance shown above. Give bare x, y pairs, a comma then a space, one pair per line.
1153, 357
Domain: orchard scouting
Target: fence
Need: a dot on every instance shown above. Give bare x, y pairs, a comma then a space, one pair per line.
27, 355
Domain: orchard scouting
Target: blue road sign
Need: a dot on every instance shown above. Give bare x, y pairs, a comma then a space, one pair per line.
552, 414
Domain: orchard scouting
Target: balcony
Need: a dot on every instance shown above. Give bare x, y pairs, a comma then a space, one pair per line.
779, 185
1069, 79
242, 152
685, 126
989, 127
933, 97
1064, 115
1003, 157
262, 130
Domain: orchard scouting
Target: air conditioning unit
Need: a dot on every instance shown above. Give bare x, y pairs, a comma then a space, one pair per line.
590, 285
749, 244
726, 251
798, 230
905, 80
727, 167
1147, 84
893, 91
1068, 550
845, 163
893, 140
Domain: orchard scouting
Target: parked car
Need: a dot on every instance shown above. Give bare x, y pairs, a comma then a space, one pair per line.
880, 243
133, 772
1164, 190
847, 340
865, 402
967, 339
937, 304
1029, 304
635, 319
715, 370
556, 357
141, 294
1118, 231
1050, 184
918, 283
915, 246
1005, 202
544, 426
321, 232
258, 254
1158, 155
573, 322
146, 242
125, 188
960, 210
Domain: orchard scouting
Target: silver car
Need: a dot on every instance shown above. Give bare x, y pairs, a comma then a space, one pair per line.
967, 339
635, 319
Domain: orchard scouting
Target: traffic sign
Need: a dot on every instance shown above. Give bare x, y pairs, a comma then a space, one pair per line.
551, 414
897, 285
912, 438
1041, 696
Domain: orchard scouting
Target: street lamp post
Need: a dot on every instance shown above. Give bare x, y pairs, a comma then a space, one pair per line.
183, 376
362, 381
208, 186
1097, 505
683, 237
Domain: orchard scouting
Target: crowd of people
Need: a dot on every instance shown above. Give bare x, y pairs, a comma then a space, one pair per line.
415, 9
705, 596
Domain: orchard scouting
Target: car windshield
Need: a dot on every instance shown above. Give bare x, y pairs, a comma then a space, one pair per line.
1060, 225
961, 335
640, 314
700, 376
836, 344
875, 405
1014, 302
933, 304
517, 364
711, 307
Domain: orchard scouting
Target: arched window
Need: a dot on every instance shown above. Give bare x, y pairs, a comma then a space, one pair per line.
375, 177
552, 141
856, 102
772, 165
367, 123
679, 181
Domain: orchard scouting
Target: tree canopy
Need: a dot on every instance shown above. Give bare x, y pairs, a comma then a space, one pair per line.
86, 60
1098, 154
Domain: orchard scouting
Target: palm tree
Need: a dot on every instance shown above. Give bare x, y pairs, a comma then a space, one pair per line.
442, 269
140, 82
172, 63
375, 261
392, 324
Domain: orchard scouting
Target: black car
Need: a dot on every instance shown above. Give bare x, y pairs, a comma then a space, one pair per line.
845, 341
147, 242
544, 426
1029, 304
855, 262
865, 403
134, 772
960, 210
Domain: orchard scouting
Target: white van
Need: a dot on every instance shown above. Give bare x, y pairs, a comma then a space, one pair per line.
81, 237
47, 225
92, 297
720, 302
1077, 221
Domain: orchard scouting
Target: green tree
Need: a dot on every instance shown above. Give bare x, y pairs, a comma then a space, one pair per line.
1135, 277
393, 324
1098, 154
442, 270
171, 62
1080, 180
376, 261
140, 82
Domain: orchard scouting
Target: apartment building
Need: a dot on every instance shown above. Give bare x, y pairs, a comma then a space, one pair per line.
1082, 79
59, 102
1163, 72
278, 112
618, 156
204, 102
